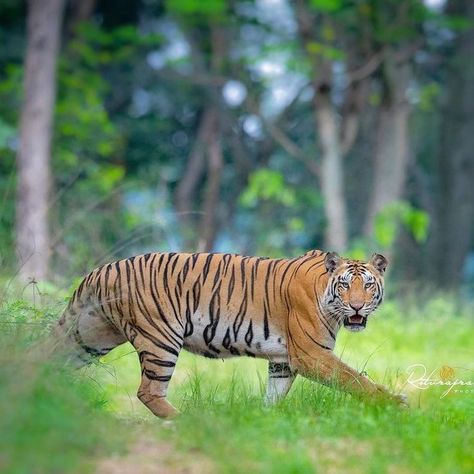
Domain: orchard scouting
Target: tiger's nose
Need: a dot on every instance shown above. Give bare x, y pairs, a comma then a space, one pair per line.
357, 305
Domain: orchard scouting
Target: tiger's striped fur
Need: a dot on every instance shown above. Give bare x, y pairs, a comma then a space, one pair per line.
287, 311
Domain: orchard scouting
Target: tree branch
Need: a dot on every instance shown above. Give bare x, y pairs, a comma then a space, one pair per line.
366, 70
284, 141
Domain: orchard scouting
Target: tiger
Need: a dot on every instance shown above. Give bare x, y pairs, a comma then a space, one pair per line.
285, 310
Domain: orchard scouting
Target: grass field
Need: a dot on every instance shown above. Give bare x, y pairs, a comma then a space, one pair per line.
53, 420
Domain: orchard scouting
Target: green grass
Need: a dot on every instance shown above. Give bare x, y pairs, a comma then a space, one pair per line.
58, 421
52, 420
317, 429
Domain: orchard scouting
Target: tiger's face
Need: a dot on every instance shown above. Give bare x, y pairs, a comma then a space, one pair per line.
355, 289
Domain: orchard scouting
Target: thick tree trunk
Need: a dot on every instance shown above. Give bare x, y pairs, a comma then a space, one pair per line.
455, 221
392, 141
33, 159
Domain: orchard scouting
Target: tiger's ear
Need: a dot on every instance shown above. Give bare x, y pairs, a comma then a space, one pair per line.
379, 262
332, 261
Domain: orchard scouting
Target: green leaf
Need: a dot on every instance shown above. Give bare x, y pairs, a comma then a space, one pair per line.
327, 5
328, 52
109, 176
388, 221
358, 249
7, 132
417, 222
385, 230
202, 7
267, 185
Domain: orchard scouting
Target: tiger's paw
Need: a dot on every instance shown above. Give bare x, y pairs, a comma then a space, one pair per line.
164, 409
160, 407
384, 396
401, 400
398, 399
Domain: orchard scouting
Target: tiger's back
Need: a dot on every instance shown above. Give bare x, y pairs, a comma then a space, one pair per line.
221, 304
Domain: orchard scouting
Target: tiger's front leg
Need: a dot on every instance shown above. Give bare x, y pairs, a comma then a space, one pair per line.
311, 359
280, 379
157, 361
326, 368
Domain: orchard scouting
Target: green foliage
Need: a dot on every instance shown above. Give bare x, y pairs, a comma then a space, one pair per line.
388, 220
328, 52
428, 96
7, 132
108, 177
51, 419
359, 249
10, 81
210, 8
327, 5
97, 45
395, 22
10, 92
83, 126
456, 23
266, 184
280, 218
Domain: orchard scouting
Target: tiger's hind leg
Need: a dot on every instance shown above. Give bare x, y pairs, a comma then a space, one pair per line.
280, 379
157, 360
83, 334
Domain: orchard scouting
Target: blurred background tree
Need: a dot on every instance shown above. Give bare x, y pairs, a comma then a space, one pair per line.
251, 126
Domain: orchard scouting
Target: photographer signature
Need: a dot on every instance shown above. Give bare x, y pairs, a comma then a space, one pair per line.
420, 378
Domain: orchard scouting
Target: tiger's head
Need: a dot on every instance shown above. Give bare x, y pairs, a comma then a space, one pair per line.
355, 289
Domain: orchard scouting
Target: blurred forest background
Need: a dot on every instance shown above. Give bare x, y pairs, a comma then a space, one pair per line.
252, 126
264, 127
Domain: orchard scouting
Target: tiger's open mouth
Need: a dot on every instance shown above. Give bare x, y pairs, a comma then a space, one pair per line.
355, 322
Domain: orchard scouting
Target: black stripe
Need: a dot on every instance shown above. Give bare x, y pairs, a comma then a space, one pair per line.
196, 294
249, 334
153, 376
266, 330
207, 266
231, 286
240, 315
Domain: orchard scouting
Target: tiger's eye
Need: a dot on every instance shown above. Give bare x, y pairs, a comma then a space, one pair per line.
368, 285
344, 284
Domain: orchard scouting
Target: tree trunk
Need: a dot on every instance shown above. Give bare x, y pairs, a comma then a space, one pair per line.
392, 141
329, 137
332, 172
186, 189
33, 159
455, 223
211, 199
